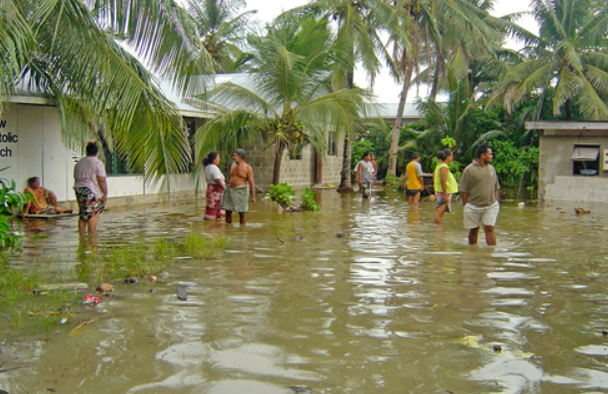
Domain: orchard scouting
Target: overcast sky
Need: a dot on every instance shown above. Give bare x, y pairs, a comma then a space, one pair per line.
386, 89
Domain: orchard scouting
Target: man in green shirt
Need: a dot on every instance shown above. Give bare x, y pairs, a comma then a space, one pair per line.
479, 193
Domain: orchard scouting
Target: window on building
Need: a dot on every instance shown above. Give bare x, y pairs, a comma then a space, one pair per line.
116, 164
332, 149
585, 160
191, 130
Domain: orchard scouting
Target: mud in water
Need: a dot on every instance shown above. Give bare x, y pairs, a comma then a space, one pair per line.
393, 305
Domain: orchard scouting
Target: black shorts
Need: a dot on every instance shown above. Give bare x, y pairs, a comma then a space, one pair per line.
412, 192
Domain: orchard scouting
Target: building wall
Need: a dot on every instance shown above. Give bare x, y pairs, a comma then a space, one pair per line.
555, 168
34, 147
298, 173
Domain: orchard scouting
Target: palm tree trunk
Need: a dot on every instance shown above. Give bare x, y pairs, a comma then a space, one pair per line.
345, 175
392, 161
276, 173
436, 76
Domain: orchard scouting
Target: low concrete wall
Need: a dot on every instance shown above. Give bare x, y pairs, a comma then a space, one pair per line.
147, 199
577, 189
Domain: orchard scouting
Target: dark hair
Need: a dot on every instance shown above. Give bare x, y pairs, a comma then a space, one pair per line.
91, 149
483, 148
240, 152
31, 180
210, 158
444, 154
365, 155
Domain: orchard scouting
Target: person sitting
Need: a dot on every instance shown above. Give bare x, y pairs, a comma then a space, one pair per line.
44, 201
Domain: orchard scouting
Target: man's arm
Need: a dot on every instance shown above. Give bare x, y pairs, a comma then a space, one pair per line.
464, 196
359, 168
251, 185
443, 178
101, 181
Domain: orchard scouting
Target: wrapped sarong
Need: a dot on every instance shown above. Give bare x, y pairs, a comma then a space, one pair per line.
236, 199
213, 206
87, 202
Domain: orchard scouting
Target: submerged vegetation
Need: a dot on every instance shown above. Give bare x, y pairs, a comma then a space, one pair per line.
22, 311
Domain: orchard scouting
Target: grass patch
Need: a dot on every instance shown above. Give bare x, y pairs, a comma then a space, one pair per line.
23, 312
145, 258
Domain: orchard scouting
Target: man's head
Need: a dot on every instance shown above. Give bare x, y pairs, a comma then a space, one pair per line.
416, 156
484, 153
33, 182
91, 149
366, 156
239, 155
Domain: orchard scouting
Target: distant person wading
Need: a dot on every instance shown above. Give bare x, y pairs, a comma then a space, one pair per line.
444, 184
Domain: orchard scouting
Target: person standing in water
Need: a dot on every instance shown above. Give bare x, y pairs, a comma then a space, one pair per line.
365, 175
216, 185
479, 193
444, 184
414, 183
91, 188
236, 196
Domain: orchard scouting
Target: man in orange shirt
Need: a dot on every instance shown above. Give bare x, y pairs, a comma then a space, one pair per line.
42, 198
414, 182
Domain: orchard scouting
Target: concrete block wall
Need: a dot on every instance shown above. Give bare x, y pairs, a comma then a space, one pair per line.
577, 189
554, 160
298, 173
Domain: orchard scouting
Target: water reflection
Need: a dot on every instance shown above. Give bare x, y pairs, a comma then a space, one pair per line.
397, 305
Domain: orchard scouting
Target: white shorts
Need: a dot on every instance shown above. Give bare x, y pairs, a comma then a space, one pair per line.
475, 216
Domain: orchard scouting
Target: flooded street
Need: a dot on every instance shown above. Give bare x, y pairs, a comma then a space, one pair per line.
398, 305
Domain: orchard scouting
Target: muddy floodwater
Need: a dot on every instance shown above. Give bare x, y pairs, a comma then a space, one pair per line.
397, 305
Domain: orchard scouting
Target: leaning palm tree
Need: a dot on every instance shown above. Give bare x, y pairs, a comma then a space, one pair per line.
222, 29
288, 101
569, 56
102, 91
464, 21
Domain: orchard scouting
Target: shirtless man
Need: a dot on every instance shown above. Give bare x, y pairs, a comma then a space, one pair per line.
45, 200
241, 184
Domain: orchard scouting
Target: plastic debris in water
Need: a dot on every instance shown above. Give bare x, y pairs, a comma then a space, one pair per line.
90, 300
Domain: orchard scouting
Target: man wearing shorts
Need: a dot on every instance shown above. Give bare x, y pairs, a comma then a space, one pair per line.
414, 182
479, 193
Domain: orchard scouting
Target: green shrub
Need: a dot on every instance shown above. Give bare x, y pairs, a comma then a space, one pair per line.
281, 193
308, 201
10, 200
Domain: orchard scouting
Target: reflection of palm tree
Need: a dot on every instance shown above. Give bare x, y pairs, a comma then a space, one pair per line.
569, 56
290, 102
67, 50
221, 29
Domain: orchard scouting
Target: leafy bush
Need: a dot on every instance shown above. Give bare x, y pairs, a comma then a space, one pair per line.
512, 164
281, 193
392, 182
308, 200
10, 199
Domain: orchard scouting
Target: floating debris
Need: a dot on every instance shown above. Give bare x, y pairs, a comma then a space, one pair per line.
340, 235
181, 293
105, 288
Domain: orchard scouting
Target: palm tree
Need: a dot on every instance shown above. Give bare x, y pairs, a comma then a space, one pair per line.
465, 23
289, 101
360, 24
68, 50
569, 56
221, 31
